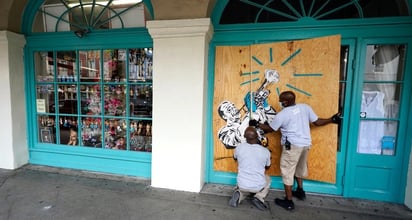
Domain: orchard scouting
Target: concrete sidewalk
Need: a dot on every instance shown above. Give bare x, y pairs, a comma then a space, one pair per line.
43, 193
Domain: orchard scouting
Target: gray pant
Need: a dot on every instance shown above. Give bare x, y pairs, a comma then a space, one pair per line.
261, 195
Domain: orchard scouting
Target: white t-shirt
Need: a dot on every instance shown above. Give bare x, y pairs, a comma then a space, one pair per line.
371, 131
252, 160
294, 123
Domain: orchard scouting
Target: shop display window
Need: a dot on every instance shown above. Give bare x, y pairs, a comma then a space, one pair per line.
95, 98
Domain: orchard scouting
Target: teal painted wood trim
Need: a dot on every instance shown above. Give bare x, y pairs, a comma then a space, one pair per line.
408, 146
344, 146
32, 7
352, 23
271, 34
405, 131
125, 166
30, 96
353, 117
148, 4
209, 115
93, 159
93, 152
119, 38
29, 13
227, 178
223, 178
218, 11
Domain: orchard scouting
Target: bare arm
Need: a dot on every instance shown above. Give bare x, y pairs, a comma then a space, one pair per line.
265, 127
324, 121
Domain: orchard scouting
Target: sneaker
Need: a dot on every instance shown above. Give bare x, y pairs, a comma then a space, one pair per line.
234, 201
259, 204
286, 204
299, 193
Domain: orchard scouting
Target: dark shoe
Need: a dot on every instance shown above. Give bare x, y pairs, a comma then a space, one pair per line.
234, 201
299, 193
286, 204
259, 204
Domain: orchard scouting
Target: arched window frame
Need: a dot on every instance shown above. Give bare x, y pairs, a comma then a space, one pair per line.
301, 15
34, 7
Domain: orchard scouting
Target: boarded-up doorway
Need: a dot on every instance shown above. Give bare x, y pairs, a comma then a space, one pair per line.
309, 68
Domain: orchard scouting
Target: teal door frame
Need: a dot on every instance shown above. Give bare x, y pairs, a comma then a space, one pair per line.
378, 177
352, 32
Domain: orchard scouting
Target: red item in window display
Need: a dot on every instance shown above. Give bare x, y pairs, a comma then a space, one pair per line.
113, 106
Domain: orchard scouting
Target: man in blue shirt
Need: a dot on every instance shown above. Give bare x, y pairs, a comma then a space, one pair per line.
294, 121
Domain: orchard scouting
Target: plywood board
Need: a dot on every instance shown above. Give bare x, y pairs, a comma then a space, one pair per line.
310, 68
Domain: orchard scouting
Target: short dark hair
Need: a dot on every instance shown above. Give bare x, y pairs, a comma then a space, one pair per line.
288, 96
251, 133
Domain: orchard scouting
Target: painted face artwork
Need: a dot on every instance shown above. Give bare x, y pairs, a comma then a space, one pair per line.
229, 112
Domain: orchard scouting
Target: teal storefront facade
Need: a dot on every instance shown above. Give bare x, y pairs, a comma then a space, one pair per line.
359, 174
66, 53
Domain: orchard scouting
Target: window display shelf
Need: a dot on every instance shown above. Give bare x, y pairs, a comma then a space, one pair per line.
106, 103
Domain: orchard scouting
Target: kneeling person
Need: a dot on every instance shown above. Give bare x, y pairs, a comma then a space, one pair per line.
252, 160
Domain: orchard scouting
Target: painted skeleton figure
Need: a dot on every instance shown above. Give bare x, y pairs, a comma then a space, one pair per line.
257, 108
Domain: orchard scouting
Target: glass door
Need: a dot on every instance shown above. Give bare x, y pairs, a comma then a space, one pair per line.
381, 91
376, 135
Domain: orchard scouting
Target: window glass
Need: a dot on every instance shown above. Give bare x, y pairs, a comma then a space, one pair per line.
95, 98
115, 134
141, 135
44, 69
115, 100
69, 130
89, 66
67, 99
84, 16
90, 99
91, 132
141, 100
140, 64
66, 66
114, 65
380, 99
47, 129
